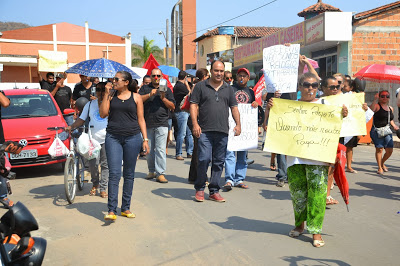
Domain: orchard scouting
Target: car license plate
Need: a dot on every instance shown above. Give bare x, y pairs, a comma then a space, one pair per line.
24, 154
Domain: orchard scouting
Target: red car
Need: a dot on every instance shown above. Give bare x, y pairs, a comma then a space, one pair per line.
30, 113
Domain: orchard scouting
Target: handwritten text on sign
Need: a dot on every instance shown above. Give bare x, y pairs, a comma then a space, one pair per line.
281, 65
248, 138
52, 61
354, 124
305, 130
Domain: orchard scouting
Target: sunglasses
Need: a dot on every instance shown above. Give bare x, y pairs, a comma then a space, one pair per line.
216, 96
313, 85
158, 76
117, 79
228, 78
340, 82
333, 87
385, 96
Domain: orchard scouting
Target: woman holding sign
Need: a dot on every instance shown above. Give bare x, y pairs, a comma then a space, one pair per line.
383, 118
308, 178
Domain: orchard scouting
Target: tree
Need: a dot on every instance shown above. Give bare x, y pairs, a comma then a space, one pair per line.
141, 53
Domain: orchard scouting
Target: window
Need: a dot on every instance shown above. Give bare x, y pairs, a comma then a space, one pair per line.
36, 105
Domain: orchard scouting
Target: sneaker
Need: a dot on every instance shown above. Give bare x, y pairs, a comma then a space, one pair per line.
280, 183
199, 196
249, 161
189, 156
151, 175
216, 197
161, 179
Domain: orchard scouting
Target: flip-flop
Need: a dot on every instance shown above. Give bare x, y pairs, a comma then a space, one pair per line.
295, 233
318, 243
242, 185
379, 172
352, 171
272, 167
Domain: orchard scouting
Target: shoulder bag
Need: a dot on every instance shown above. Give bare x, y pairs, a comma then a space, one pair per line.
384, 131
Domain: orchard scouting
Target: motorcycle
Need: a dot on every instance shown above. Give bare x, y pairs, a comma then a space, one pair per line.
17, 247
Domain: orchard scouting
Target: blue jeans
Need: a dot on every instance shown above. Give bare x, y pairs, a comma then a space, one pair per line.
235, 167
120, 148
212, 148
157, 157
282, 167
183, 130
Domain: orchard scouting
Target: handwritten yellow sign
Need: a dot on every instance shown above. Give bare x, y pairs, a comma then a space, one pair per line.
52, 61
305, 130
354, 124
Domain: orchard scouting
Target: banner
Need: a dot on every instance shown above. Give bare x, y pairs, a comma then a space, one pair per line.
52, 61
281, 65
354, 124
305, 130
258, 89
248, 138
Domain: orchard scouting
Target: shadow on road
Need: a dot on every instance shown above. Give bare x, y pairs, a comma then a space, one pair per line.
94, 209
243, 224
302, 260
176, 193
38, 171
55, 192
376, 190
276, 195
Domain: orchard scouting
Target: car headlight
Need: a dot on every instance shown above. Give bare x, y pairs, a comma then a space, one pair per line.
63, 135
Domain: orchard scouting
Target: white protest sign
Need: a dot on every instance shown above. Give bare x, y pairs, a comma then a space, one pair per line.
248, 138
281, 65
52, 61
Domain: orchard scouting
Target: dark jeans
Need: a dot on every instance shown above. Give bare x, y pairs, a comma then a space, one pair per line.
193, 162
120, 148
211, 148
282, 167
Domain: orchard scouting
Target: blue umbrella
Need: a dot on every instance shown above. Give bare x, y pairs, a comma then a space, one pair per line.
102, 68
191, 72
169, 70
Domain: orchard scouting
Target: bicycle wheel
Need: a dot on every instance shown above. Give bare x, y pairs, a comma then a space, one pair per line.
69, 179
80, 171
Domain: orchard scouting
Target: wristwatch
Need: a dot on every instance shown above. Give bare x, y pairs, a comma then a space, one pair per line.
145, 140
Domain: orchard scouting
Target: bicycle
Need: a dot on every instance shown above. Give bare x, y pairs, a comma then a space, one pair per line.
74, 169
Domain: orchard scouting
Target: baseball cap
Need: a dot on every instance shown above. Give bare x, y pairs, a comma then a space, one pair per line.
245, 70
60, 76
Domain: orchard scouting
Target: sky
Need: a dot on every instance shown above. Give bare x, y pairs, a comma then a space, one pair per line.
147, 18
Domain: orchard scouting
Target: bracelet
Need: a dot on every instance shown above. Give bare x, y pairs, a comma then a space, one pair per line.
149, 94
145, 140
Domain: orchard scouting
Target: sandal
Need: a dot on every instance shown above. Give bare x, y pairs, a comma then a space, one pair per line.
7, 202
272, 167
242, 185
385, 169
128, 215
318, 243
93, 191
351, 171
228, 186
331, 201
110, 217
103, 194
379, 172
295, 233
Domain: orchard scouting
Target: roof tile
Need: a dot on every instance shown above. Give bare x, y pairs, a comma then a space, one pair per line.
319, 7
243, 32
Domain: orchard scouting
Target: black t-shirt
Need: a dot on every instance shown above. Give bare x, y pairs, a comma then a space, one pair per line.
243, 95
81, 91
180, 91
63, 97
155, 111
45, 85
213, 106
283, 96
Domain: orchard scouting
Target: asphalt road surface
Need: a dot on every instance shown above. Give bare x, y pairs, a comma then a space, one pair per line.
251, 228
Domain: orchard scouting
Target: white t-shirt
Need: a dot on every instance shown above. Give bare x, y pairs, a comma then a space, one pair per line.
99, 124
290, 160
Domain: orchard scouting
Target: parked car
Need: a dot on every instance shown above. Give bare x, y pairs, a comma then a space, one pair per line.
30, 113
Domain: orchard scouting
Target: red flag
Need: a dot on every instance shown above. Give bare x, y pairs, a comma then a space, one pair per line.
258, 89
151, 64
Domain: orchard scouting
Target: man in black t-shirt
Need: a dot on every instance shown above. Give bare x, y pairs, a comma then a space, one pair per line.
209, 111
181, 89
236, 165
84, 89
47, 84
63, 95
156, 106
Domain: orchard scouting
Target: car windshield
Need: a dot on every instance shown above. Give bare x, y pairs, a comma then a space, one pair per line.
33, 105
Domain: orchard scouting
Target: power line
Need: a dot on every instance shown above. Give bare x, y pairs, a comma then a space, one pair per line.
248, 12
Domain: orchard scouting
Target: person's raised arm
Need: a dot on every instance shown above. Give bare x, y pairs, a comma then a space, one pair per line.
105, 104
4, 101
374, 105
167, 102
304, 61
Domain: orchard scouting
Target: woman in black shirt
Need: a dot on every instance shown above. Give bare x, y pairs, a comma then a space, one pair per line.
123, 139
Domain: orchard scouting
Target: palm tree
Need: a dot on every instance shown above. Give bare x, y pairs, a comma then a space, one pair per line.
141, 53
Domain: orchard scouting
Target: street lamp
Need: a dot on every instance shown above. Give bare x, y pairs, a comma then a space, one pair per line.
166, 44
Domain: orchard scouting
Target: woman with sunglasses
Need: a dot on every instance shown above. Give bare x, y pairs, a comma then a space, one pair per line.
308, 178
91, 111
382, 117
124, 109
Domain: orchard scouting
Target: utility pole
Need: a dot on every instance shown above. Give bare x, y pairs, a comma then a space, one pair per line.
167, 43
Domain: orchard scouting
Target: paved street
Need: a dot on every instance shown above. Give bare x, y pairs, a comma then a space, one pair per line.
250, 228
